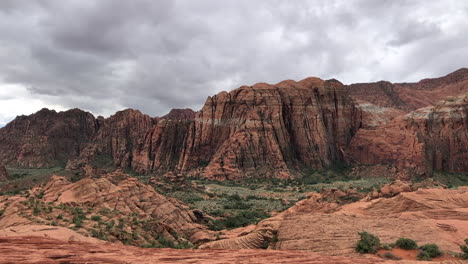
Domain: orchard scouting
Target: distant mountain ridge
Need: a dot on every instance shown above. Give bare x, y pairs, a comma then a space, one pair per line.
264, 130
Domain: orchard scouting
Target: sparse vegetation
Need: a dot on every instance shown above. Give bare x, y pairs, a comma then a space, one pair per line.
406, 243
368, 243
431, 249
464, 249
423, 255
390, 255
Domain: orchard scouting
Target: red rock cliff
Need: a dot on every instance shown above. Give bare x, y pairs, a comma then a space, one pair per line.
272, 130
46, 138
430, 138
115, 140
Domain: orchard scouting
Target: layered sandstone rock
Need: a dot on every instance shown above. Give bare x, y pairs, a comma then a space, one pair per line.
40, 249
271, 130
427, 216
119, 192
3, 174
161, 147
115, 140
46, 138
411, 96
430, 138
128, 211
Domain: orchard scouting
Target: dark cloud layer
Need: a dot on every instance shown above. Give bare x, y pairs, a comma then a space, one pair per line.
105, 55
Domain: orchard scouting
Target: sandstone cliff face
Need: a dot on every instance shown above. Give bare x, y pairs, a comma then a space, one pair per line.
160, 149
115, 139
271, 129
430, 138
46, 138
411, 96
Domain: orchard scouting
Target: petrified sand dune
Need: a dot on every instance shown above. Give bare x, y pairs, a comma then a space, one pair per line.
427, 216
114, 192
23, 249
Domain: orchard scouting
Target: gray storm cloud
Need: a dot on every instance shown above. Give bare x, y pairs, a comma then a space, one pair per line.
106, 55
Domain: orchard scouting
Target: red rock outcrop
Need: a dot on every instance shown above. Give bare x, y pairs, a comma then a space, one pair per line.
3, 174
430, 138
115, 140
160, 149
262, 130
271, 130
46, 138
411, 96
115, 197
39, 249
427, 216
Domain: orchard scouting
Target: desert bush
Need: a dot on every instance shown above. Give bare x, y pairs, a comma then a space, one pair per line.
406, 243
431, 249
423, 255
464, 249
96, 218
387, 247
390, 255
368, 243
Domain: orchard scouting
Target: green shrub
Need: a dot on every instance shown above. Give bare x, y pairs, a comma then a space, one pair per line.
406, 243
431, 249
368, 243
464, 249
423, 255
390, 255
386, 246
96, 218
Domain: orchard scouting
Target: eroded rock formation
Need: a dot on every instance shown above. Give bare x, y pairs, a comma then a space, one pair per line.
261, 130
271, 129
46, 138
411, 96
427, 216
430, 138
115, 140
131, 212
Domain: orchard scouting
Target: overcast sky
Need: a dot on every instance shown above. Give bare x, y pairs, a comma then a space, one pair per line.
154, 55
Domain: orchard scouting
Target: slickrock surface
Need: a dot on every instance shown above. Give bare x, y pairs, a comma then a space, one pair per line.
46, 138
411, 96
427, 216
116, 197
3, 174
23, 249
271, 129
430, 138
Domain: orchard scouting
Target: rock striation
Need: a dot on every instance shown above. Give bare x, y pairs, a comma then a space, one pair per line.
46, 138
128, 211
271, 130
114, 141
314, 224
428, 139
265, 130
411, 96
